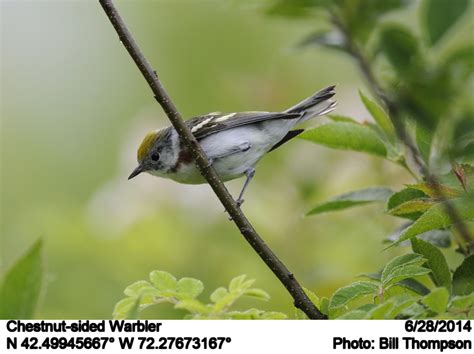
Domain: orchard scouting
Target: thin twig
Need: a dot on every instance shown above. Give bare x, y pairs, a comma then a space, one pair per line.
397, 121
301, 300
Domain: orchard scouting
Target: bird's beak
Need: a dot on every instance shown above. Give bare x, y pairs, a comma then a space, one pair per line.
136, 172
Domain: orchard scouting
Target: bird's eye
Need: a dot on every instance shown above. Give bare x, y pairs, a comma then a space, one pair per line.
155, 156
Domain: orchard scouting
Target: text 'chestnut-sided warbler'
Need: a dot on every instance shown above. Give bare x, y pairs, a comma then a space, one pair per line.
233, 142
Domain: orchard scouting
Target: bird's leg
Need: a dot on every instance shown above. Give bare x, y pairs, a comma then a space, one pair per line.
249, 173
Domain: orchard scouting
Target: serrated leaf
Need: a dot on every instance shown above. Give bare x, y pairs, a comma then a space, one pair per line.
435, 191
347, 200
21, 285
163, 281
401, 261
405, 272
435, 261
462, 302
379, 116
440, 15
344, 295
353, 315
189, 287
346, 136
437, 300
411, 207
257, 294
218, 294
137, 288
463, 277
437, 218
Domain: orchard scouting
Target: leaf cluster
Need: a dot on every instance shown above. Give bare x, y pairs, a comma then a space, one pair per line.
183, 294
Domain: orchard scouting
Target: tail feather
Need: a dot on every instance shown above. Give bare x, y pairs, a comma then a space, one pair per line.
315, 105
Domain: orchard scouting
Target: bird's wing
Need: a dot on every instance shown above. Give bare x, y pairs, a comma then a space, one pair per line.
203, 126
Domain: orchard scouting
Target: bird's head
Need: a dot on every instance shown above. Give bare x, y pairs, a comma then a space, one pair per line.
157, 154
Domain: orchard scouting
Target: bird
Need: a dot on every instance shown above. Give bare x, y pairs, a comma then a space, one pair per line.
233, 142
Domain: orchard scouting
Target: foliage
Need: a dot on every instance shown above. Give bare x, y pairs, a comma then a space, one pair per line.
423, 122
21, 285
398, 290
183, 293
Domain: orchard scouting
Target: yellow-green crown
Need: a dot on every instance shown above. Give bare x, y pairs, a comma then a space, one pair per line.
147, 144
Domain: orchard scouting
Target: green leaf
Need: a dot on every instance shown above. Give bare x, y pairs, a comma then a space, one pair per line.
257, 294
255, 314
379, 116
21, 285
137, 288
340, 118
463, 277
424, 139
346, 136
409, 271
401, 261
125, 308
440, 15
353, 315
414, 286
163, 281
436, 218
193, 306
412, 207
347, 200
400, 47
344, 295
462, 302
437, 300
240, 283
218, 294
436, 262
461, 62
189, 287
312, 296
403, 196
324, 305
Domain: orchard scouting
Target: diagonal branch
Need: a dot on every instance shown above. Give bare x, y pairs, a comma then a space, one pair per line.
301, 300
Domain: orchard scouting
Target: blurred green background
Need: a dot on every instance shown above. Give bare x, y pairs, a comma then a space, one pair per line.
74, 109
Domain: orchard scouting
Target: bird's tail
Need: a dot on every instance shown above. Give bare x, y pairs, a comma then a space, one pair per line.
315, 105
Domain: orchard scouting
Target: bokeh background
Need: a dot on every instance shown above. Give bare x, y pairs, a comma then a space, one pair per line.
74, 108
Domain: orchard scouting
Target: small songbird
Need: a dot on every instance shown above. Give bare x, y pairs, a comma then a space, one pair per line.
233, 142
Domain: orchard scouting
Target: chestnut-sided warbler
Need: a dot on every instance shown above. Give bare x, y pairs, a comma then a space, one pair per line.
233, 142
